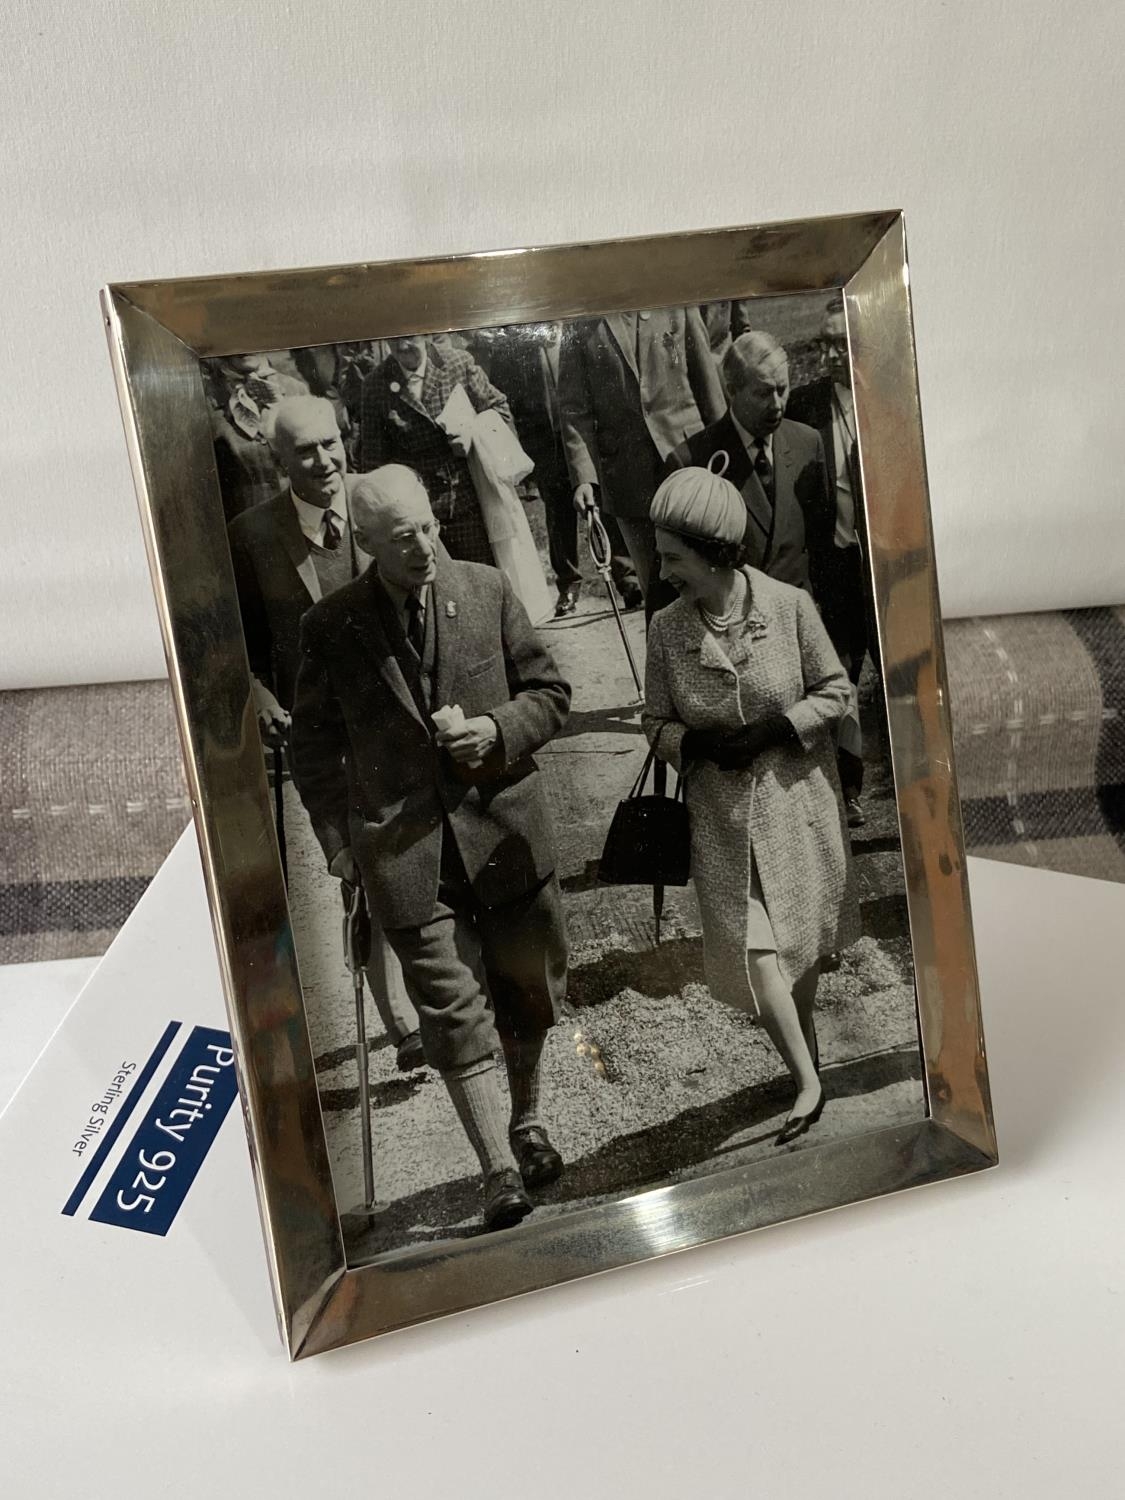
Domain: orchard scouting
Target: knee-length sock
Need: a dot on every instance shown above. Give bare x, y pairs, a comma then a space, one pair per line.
524, 1057
475, 1091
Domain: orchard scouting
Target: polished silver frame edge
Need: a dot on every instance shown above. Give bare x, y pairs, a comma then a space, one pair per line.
157, 331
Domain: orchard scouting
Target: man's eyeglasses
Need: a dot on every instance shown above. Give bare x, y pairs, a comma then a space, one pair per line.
406, 541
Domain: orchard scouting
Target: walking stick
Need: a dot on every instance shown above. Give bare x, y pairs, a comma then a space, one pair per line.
598, 540
357, 951
279, 809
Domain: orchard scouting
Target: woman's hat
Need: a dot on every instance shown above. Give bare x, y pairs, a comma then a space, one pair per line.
700, 503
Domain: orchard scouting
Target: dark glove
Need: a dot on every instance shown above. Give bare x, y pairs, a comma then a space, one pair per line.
742, 748
702, 744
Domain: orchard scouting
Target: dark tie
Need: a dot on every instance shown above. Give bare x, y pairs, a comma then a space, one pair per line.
763, 468
415, 624
332, 530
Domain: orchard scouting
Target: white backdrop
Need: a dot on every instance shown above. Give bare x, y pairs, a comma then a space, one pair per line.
145, 140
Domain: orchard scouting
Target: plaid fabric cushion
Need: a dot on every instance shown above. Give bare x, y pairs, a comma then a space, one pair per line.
92, 798
1039, 725
88, 813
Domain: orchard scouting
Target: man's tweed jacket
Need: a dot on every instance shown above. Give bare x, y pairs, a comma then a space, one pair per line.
364, 756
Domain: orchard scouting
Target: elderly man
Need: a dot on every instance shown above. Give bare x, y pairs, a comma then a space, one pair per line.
632, 386
422, 694
288, 552
777, 465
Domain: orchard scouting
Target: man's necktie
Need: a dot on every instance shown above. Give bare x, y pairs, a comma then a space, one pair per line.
763, 468
415, 625
332, 531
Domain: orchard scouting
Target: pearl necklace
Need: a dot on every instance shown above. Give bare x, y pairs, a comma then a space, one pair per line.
720, 624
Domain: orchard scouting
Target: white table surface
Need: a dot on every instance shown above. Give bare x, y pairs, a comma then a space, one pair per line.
960, 1341
33, 1000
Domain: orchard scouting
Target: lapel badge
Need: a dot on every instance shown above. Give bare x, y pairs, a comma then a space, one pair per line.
671, 347
450, 609
395, 387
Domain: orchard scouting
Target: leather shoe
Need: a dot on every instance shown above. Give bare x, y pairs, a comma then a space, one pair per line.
409, 1054
538, 1160
506, 1203
797, 1125
567, 602
853, 810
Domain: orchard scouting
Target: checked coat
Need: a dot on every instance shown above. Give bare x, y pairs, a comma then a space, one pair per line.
394, 428
782, 816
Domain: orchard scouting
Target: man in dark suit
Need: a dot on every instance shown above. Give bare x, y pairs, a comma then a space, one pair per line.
287, 553
838, 548
422, 694
523, 363
776, 464
398, 423
632, 387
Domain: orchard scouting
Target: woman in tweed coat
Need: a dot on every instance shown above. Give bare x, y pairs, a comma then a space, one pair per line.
743, 692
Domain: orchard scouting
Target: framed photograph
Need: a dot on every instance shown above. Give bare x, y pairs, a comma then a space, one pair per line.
556, 646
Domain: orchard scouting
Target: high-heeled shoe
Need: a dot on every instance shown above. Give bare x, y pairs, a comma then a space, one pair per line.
797, 1125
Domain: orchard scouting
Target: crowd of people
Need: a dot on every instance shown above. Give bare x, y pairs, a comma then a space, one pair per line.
394, 655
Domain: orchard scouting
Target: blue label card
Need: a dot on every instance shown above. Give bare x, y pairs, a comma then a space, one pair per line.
159, 1165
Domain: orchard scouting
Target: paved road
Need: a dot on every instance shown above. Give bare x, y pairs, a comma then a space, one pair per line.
650, 1080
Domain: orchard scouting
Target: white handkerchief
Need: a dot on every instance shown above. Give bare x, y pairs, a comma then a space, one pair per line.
458, 415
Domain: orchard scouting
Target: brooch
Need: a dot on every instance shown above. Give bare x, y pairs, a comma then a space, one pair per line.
450, 610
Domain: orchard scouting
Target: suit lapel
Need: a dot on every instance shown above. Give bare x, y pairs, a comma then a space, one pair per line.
434, 393
296, 548
784, 469
548, 370
621, 328
759, 508
448, 607
396, 376
377, 644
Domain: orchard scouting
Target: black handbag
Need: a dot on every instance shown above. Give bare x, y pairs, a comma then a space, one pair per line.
649, 842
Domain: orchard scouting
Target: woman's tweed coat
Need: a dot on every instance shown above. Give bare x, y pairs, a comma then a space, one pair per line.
786, 807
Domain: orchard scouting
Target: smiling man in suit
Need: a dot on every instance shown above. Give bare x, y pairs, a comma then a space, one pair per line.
289, 552
422, 694
776, 464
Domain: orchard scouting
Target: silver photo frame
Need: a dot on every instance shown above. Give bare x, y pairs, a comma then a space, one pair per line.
158, 332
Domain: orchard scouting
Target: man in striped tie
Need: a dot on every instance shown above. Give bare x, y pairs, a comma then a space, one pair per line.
777, 465
288, 553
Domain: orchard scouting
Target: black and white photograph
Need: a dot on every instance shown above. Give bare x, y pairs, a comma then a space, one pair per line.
568, 683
